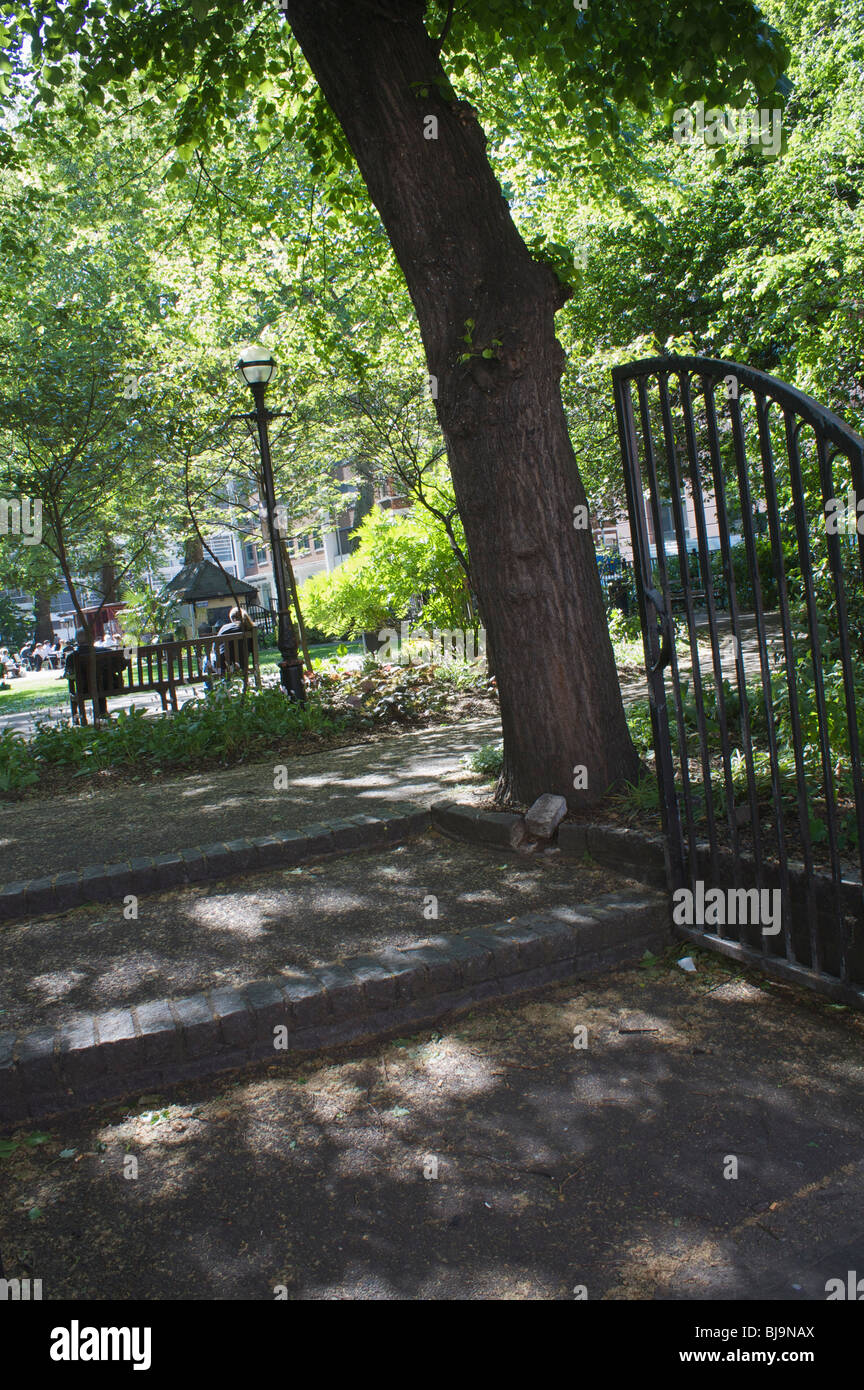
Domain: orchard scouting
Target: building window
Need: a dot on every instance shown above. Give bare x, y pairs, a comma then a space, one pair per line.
667, 522
222, 547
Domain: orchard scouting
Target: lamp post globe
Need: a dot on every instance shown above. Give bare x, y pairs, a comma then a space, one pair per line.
255, 365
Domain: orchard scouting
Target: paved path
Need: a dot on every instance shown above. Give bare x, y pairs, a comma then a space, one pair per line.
39, 838
557, 1167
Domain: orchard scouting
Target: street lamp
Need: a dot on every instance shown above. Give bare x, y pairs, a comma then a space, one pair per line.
255, 369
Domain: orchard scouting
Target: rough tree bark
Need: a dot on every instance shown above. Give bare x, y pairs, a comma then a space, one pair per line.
44, 625
108, 578
513, 467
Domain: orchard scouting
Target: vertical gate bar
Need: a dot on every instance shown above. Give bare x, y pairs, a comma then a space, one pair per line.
656, 684
684, 568
835, 560
806, 559
740, 450
856, 461
748, 512
766, 452
654, 498
716, 657
719, 485
805, 562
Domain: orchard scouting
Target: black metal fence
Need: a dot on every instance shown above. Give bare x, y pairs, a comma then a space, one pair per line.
743, 495
263, 618
616, 581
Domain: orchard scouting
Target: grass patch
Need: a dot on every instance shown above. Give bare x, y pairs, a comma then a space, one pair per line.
34, 692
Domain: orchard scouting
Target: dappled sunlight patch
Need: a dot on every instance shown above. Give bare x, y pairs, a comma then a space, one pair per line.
333, 900
112, 983
496, 1283
740, 992
327, 1097
154, 1122
486, 895
56, 984
154, 1150
436, 1071
390, 871
669, 1255
240, 914
236, 803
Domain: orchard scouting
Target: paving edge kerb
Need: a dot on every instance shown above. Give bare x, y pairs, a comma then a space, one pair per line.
635, 853
643, 856
107, 1056
156, 873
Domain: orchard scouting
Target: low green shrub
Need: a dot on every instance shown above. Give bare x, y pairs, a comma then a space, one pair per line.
16, 763
487, 760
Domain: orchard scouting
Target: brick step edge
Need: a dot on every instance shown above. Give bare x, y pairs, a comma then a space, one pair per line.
153, 874
111, 1055
643, 856
633, 852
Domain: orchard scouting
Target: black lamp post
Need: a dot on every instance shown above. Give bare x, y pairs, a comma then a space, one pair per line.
256, 369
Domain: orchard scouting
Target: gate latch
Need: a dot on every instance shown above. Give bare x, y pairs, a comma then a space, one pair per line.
664, 622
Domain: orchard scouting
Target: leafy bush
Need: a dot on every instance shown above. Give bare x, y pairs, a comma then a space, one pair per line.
398, 558
836, 724
219, 727
487, 760
626, 635
16, 762
229, 724
639, 722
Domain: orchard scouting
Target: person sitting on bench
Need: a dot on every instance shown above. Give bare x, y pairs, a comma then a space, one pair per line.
234, 656
109, 671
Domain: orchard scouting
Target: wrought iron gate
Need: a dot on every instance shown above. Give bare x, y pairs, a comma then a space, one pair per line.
743, 497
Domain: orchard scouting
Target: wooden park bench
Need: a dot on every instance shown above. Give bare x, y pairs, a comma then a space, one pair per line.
163, 667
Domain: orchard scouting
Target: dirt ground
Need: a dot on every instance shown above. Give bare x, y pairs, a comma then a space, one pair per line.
250, 927
490, 1159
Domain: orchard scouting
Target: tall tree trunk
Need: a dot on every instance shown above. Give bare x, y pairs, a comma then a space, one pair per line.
44, 626
513, 467
193, 550
109, 582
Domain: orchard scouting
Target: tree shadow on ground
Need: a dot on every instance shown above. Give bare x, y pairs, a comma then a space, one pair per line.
256, 925
557, 1166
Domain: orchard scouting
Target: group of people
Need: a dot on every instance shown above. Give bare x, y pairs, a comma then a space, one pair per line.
33, 655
